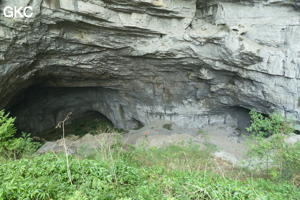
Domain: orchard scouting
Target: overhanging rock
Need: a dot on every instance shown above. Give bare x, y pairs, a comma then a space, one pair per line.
194, 63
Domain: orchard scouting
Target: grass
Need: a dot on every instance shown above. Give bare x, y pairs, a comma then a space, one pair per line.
186, 157
45, 177
116, 171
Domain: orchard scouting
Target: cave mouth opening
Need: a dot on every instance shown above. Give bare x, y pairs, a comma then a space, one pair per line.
242, 120
242, 117
89, 122
38, 110
235, 116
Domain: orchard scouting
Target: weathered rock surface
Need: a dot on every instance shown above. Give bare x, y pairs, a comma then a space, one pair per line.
85, 145
292, 139
161, 134
223, 142
226, 143
135, 61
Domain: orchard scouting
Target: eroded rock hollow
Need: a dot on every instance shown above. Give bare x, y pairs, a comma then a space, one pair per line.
135, 61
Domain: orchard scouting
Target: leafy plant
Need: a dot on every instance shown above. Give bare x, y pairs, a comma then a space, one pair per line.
272, 156
276, 159
267, 126
10, 145
263, 153
45, 177
123, 172
290, 163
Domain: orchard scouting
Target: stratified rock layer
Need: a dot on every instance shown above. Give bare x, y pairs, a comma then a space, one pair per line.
194, 63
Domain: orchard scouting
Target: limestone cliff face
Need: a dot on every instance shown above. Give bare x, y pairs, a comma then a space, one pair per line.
192, 62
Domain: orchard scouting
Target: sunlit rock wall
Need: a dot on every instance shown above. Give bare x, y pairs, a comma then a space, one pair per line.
194, 63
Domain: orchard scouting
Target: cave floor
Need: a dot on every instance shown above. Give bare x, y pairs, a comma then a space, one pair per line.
227, 142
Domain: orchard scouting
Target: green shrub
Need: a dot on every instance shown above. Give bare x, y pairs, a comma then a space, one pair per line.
272, 156
289, 158
45, 177
10, 145
267, 126
275, 158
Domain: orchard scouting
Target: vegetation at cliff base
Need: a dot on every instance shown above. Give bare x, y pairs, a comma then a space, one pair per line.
10, 145
183, 172
45, 177
273, 156
266, 126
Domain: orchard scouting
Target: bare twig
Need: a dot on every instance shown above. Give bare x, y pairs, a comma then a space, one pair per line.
61, 124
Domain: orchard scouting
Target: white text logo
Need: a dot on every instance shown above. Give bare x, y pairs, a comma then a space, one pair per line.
15, 12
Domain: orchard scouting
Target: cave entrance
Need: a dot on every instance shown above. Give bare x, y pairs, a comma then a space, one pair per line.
234, 116
38, 110
242, 117
90, 122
